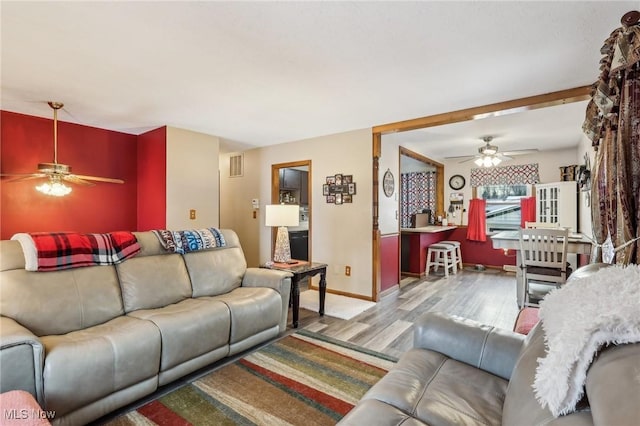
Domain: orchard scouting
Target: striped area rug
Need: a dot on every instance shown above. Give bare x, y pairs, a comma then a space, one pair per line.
302, 379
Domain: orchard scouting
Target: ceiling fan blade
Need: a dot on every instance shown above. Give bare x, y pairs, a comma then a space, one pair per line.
521, 151
468, 159
100, 179
19, 177
77, 180
459, 156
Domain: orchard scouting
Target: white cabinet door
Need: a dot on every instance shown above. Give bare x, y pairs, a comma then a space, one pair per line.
558, 203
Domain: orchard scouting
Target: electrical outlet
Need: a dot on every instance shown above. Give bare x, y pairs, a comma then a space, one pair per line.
192, 214
347, 270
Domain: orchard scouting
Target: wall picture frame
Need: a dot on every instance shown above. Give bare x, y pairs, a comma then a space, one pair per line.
339, 189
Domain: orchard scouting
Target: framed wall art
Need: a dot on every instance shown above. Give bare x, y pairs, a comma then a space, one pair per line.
339, 189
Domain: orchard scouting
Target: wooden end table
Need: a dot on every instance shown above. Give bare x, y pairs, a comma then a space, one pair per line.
302, 270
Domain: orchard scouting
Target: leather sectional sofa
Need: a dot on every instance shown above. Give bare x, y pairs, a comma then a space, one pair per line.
89, 340
461, 372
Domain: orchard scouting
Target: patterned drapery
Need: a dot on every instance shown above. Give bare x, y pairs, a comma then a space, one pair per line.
613, 124
505, 175
418, 193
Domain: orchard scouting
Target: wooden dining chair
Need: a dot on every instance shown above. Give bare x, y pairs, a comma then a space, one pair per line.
544, 261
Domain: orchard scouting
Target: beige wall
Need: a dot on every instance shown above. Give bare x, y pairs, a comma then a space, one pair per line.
389, 207
192, 179
549, 163
236, 211
340, 234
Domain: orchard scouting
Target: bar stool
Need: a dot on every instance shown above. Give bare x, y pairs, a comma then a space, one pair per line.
458, 252
439, 254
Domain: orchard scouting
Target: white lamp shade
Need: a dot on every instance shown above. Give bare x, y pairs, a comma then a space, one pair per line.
282, 215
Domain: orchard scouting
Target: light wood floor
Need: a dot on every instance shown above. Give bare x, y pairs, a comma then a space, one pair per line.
488, 296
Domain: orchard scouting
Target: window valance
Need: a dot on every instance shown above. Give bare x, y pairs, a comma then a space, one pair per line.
505, 175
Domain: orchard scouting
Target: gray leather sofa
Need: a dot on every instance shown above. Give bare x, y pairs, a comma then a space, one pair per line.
87, 341
461, 372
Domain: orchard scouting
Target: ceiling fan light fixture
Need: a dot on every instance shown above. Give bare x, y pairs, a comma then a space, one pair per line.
54, 188
488, 150
57, 173
487, 161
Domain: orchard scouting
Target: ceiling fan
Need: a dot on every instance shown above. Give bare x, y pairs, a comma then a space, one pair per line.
488, 154
56, 172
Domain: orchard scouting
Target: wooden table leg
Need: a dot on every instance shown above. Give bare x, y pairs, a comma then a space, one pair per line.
323, 290
295, 283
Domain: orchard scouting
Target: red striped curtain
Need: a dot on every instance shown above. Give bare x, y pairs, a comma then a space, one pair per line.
527, 210
477, 229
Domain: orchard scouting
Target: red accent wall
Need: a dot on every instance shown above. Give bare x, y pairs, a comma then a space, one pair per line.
152, 178
27, 141
390, 261
481, 253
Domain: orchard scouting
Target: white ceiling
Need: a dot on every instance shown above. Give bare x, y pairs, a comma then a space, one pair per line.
261, 73
551, 128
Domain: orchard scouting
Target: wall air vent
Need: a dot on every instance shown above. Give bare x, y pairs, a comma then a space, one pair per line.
236, 165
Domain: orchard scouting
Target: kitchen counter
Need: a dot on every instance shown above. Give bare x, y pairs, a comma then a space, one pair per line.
429, 229
414, 243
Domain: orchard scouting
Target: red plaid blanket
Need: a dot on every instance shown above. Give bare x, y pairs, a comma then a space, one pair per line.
64, 250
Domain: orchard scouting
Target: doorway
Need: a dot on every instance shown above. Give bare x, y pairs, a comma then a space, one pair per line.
421, 200
291, 184
431, 197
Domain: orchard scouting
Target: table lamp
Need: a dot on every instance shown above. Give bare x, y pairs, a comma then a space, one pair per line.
282, 215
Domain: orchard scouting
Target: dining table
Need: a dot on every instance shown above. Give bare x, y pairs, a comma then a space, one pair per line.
510, 240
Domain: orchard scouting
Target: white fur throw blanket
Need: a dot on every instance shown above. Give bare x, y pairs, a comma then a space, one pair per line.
578, 319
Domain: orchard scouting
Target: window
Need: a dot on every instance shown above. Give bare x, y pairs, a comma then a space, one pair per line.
502, 188
503, 205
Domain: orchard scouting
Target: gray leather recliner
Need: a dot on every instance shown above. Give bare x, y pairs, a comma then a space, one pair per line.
461, 372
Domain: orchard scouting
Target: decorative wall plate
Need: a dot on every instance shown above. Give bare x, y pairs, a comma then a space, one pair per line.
388, 183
